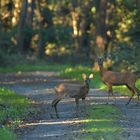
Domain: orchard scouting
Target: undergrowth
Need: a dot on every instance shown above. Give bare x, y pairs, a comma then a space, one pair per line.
13, 109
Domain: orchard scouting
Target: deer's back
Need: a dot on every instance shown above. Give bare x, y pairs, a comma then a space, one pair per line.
71, 90
118, 78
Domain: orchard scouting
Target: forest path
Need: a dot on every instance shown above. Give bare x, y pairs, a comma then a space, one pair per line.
39, 87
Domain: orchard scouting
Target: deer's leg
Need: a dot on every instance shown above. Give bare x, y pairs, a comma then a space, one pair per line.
133, 93
108, 94
138, 94
138, 98
77, 106
54, 105
110, 91
84, 102
137, 90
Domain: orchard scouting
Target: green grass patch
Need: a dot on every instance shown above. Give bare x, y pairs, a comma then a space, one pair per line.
33, 67
76, 74
102, 123
6, 134
16, 108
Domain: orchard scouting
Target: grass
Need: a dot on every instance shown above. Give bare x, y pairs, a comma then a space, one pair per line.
15, 110
101, 123
76, 74
32, 67
6, 134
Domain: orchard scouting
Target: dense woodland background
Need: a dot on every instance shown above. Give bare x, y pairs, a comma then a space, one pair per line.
70, 31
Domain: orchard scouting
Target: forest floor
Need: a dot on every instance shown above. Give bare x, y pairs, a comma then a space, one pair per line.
38, 86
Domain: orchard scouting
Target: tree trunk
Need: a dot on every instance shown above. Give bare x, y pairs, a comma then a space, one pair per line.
75, 21
21, 27
0, 16
84, 26
101, 27
41, 40
29, 20
79, 23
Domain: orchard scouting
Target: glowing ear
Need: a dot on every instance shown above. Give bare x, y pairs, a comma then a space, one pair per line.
84, 76
91, 76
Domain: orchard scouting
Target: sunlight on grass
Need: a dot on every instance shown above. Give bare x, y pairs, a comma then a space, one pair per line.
10, 97
102, 123
75, 72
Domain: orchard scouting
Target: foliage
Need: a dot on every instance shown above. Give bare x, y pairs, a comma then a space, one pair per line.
58, 34
11, 59
124, 61
69, 29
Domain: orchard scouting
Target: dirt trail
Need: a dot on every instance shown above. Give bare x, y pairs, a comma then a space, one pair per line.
39, 87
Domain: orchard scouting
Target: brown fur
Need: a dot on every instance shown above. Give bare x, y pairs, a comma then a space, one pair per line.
77, 91
112, 78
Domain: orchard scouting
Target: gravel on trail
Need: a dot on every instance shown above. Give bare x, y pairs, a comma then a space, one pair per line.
38, 86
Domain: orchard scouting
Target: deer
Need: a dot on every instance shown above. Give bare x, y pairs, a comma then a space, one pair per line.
77, 91
113, 78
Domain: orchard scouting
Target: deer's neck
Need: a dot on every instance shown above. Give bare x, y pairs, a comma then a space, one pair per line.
102, 70
86, 84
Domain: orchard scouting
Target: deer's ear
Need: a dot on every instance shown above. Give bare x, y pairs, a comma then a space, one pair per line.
91, 76
84, 76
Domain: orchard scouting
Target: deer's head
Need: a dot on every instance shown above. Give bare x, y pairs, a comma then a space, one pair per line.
100, 61
87, 78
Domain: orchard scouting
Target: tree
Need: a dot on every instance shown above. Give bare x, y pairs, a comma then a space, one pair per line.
28, 25
101, 26
40, 31
24, 34
80, 23
21, 27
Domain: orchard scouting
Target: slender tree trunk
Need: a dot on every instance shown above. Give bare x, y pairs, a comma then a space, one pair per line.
11, 12
84, 25
21, 27
41, 40
0, 16
79, 23
29, 20
75, 22
101, 27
